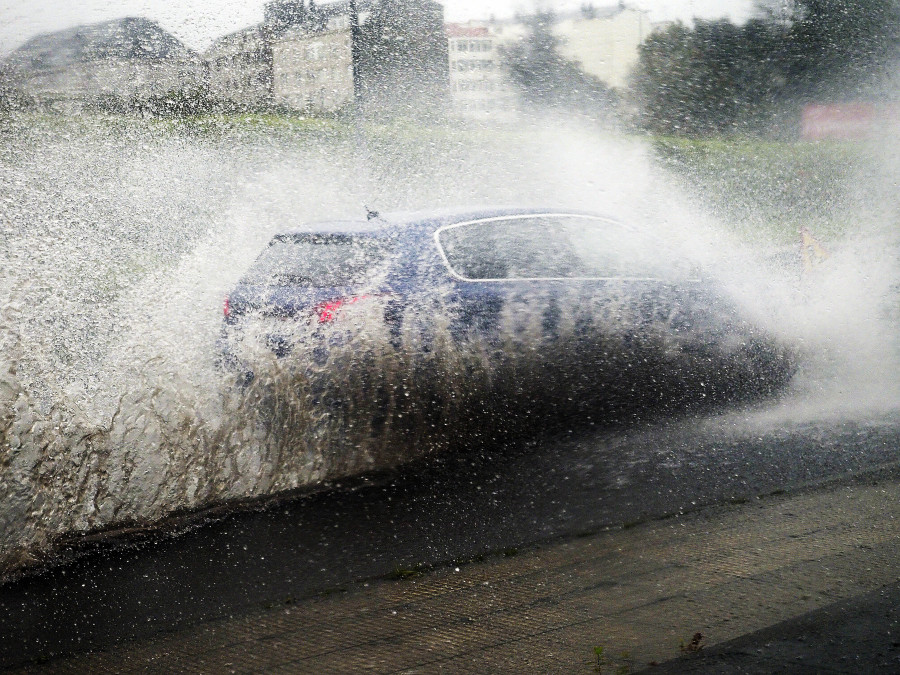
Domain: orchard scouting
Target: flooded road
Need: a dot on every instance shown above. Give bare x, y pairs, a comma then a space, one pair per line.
121, 243
437, 513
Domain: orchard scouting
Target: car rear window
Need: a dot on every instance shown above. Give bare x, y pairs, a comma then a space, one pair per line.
319, 260
546, 247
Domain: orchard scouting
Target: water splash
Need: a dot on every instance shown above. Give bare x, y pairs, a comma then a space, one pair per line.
121, 240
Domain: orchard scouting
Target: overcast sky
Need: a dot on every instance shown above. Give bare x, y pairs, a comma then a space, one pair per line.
198, 22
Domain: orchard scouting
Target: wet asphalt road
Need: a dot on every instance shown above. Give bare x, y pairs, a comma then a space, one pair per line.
453, 508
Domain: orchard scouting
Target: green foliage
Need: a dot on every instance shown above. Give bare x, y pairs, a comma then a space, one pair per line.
719, 78
176, 103
715, 78
545, 77
766, 188
834, 46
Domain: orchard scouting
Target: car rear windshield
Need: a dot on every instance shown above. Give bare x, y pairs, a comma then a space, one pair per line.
547, 247
327, 260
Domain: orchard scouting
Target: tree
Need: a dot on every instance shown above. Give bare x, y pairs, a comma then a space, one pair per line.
705, 80
545, 77
717, 77
834, 46
177, 103
402, 55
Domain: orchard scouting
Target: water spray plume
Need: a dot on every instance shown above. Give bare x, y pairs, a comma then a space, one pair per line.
121, 240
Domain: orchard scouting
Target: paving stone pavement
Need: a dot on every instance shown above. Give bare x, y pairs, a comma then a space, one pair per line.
639, 593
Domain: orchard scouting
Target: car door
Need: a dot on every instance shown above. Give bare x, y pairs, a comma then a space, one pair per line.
512, 275
552, 284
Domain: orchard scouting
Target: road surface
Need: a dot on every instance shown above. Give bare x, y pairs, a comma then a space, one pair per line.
451, 508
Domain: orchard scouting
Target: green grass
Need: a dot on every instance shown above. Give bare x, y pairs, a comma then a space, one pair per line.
269, 123
770, 189
240, 125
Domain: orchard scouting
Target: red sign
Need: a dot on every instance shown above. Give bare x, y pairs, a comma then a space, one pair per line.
846, 120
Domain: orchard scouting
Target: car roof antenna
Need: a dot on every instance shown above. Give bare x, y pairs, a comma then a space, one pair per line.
372, 215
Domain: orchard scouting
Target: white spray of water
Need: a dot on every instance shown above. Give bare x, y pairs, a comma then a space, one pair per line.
122, 245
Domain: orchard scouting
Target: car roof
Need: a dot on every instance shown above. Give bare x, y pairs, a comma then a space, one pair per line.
427, 221
334, 227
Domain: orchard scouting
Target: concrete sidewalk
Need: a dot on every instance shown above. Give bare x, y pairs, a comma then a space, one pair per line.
639, 593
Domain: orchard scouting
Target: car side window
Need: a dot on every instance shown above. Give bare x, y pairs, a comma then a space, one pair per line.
471, 252
536, 247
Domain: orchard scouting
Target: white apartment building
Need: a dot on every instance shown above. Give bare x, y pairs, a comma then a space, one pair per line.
299, 57
479, 85
313, 61
604, 42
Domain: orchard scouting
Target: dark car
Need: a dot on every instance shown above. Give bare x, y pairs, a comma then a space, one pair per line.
527, 305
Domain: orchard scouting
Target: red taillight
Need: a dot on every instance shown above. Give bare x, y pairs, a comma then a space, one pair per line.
327, 311
226, 307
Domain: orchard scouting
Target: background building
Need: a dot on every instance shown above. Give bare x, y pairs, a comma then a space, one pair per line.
313, 58
314, 69
124, 58
604, 42
575, 57
241, 67
479, 85
301, 57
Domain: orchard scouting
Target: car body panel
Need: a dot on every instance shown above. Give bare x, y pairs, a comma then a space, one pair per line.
469, 274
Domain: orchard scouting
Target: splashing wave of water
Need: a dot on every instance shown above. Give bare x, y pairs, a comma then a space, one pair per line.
120, 246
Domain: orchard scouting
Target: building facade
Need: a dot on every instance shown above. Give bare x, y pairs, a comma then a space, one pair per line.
314, 69
604, 42
479, 85
400, 52
270, 63
125, 58
241, 67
